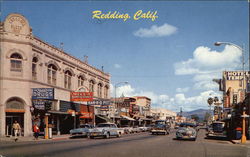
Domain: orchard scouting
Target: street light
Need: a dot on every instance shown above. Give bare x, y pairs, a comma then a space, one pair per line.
243, 137
116, 85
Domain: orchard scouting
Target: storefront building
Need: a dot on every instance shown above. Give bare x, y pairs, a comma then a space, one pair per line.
26, 62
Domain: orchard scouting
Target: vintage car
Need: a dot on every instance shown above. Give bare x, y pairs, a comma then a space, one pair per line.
127, 129
82, 131
216, 130
105, 130
160, 127
186, 131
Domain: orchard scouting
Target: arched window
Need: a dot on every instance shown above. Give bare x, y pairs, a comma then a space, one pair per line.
67, 79
80, 80
91, 85
106, 88
99, 90
34, 68
52, 74
16, 62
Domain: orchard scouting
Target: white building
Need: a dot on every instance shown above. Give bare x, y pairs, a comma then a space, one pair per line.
27, 62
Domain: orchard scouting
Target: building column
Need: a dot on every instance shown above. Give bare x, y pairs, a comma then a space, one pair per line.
2, 120
58, 126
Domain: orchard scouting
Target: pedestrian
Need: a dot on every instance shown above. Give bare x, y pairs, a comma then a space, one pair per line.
36, 131
17, 129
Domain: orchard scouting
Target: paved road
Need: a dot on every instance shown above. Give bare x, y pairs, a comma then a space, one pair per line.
134, 145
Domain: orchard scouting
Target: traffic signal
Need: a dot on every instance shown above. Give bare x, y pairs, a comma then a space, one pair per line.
47, 105
235, 99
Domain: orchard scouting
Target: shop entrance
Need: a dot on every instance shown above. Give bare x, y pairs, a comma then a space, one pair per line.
10, 119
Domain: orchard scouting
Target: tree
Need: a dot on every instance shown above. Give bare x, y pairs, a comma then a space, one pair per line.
206, 117
195, 117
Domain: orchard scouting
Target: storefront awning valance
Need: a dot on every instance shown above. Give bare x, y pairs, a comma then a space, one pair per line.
127, 118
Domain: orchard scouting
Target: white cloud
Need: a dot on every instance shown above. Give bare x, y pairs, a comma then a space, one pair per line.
206, 61
117, 66
206, 64
156, 31
182, 90
165, 101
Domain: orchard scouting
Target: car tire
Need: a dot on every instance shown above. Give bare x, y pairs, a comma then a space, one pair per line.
107, 136
118, 135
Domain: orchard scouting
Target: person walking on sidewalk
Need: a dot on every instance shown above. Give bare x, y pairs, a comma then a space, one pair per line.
36, 131
17, 129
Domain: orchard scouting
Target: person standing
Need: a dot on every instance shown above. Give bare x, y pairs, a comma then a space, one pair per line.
17, 129
36, 131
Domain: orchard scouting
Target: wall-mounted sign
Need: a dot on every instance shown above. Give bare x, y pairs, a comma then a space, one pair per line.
43, 93
39, 104
104, 107
81, 96
99, 102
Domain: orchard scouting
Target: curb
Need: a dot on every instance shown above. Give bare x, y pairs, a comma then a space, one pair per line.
235, 141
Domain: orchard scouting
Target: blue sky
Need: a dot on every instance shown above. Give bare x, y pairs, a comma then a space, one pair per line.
173, 67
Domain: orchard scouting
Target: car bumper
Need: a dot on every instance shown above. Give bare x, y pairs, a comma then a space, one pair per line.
78, 134
158, 131
96, 134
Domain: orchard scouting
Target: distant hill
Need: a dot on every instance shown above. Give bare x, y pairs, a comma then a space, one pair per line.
199, 112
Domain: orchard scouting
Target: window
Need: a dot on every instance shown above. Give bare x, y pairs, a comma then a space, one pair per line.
16, 62
80, 81
99, 90
34, 68
67, 79
52, 74
106, 91
91, 86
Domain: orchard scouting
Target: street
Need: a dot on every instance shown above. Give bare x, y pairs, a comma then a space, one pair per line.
140, 144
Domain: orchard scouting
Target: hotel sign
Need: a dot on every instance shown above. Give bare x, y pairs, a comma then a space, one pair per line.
43, 93
81, 96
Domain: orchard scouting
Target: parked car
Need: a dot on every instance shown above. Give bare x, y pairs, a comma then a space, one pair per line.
186, 131
143, 128
161, 127
82, 131
217, 130
136, 129
105, 130
128, 129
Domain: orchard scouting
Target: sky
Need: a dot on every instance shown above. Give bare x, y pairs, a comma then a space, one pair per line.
171, 59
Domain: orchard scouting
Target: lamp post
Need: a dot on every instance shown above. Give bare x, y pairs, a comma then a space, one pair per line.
116, 85
243, 137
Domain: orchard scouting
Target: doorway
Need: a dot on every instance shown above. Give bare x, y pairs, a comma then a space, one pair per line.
11, 117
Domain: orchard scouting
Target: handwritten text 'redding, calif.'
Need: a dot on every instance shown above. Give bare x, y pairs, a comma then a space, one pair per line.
97, 14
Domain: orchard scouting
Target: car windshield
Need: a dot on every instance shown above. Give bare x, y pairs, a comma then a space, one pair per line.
104, 125
186, 125
160, 122
218, 126
84, 126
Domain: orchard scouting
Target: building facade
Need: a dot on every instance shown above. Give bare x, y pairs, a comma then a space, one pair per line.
26, 62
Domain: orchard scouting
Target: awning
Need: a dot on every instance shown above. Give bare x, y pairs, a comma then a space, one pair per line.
104, 118
58, 112
128, 118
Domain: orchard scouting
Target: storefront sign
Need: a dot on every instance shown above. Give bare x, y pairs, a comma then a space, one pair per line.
86, 115
39, 104
104, 108
99, 102
81, 96
43, 93
65, 106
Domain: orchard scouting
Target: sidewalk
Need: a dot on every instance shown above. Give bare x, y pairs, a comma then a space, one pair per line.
31, 138
239, 142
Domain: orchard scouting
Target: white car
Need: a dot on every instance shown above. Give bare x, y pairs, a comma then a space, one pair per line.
105, 130
82, 131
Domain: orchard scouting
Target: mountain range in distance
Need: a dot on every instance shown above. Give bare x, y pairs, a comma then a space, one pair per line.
199, 112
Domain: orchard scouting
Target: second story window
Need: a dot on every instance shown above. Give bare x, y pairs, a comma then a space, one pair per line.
106, 92
16, 62
52, 74
99, 90
91, 86
67, 79
34, 68
80, 81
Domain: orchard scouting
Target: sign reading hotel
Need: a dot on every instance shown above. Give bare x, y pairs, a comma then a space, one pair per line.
43, 93
81, 96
